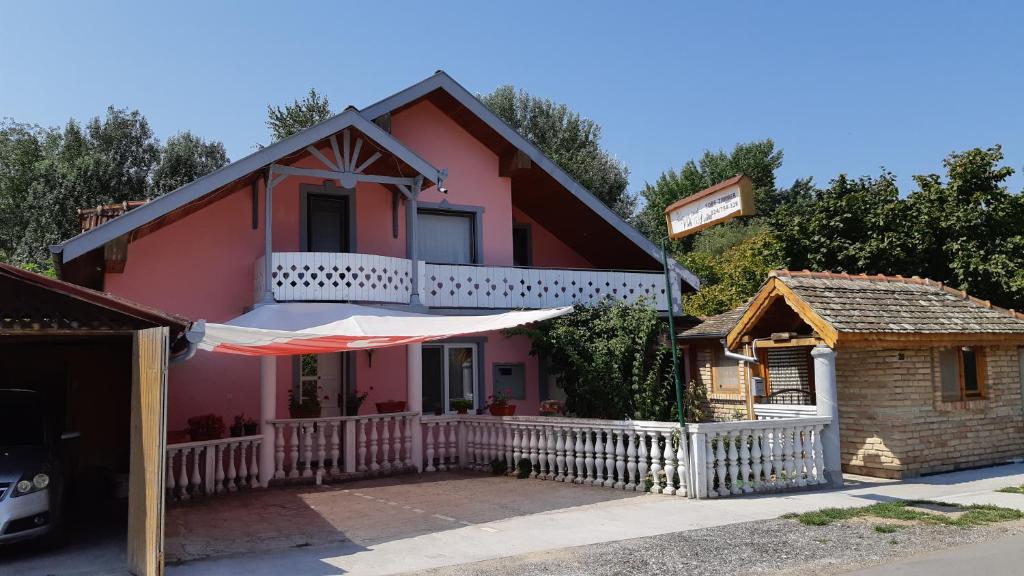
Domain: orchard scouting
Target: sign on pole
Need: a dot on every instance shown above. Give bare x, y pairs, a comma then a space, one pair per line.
719, 203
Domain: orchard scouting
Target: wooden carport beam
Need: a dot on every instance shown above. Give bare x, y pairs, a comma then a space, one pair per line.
510, 164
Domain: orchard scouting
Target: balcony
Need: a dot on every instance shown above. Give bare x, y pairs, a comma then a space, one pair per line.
322, 276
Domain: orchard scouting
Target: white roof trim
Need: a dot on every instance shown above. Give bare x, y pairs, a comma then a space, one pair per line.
441, 80
129, 221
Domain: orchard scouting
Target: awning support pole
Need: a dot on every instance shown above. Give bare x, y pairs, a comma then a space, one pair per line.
414, 398
268, 411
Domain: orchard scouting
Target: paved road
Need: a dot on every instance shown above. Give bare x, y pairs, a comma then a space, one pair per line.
996, 558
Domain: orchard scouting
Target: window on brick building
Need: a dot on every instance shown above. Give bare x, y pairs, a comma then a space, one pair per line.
962, 373
725, 374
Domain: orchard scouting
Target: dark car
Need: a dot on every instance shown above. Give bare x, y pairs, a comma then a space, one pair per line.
31, 483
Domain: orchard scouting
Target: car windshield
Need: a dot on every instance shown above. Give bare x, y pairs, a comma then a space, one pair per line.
21, 419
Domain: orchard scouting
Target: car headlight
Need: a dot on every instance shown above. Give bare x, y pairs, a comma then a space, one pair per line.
38, 482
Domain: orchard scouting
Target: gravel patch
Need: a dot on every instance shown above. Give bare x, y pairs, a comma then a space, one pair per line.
778, 546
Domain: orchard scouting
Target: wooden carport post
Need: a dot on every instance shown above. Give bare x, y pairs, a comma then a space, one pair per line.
148, 449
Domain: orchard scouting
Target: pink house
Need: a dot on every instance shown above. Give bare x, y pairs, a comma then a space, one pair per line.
424, 201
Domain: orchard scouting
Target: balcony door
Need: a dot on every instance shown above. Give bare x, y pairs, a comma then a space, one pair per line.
326, 223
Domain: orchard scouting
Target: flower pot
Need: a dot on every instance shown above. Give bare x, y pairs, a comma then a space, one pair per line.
251, 429
236, 430
496, 410
462, 411
390, 407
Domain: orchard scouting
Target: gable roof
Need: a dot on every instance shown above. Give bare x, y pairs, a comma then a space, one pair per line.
717, 326
848, 308
443, 82
205, 185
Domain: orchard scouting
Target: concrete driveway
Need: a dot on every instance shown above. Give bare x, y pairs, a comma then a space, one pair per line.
414, 523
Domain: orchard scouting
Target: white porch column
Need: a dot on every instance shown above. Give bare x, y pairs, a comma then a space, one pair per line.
414, 398
828, 405
268, 411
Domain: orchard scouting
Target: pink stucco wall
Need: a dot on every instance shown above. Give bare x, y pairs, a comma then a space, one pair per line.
201, 266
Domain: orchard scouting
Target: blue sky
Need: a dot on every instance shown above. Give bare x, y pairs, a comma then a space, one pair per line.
841, 87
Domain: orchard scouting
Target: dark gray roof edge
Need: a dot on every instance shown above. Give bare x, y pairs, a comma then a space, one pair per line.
100, 235
441, 80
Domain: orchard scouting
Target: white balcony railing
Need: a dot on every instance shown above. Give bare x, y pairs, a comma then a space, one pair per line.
212, 467
318, 276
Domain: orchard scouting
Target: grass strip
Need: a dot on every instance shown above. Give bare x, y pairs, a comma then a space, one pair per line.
973, 515
1012, 489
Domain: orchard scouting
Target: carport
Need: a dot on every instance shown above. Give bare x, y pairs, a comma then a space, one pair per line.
98, 364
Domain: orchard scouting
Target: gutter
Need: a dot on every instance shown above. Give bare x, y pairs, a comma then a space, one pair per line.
194, 335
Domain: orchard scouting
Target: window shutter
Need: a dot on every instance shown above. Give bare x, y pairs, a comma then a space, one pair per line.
949, 369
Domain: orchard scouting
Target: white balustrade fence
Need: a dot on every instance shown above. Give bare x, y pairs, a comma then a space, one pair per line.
374, 443
623, 455
464, 286
212, 467
777, 411
731, 458
323, 276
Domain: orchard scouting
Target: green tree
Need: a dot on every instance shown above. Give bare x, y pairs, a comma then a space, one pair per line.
611, 359
855, 225
571, 141
731, 278
47, 174
184, 158
969, 231
297, 116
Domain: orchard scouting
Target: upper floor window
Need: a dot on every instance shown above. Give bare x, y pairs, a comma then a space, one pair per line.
962, 373
447, 237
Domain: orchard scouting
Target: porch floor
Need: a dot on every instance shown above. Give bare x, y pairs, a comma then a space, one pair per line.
362, 513
417, 522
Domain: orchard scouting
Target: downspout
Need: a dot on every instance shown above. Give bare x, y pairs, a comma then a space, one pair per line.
194, 335
734, 356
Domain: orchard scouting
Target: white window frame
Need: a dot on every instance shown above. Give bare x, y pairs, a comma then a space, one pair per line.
475, 348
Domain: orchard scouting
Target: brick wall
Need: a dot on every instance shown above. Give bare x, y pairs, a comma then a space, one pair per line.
724, 407
894, 423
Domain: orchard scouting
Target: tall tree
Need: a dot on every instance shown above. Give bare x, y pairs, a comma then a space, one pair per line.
184, 158
570, 140
47, 174
855, 225
969, 231
297, 116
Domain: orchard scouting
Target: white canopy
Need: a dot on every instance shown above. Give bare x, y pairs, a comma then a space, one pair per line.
309, 328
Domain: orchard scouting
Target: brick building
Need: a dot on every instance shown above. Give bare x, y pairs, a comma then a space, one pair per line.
929, 379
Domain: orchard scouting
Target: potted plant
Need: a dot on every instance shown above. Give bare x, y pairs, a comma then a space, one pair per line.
308, 407
462, 405
353, 401
251, 427
205, 427
237, 426
499, 404
390, 406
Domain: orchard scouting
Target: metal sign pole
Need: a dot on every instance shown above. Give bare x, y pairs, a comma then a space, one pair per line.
672, 337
